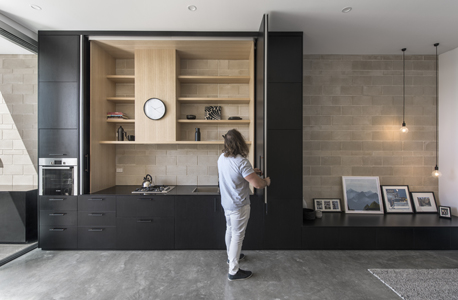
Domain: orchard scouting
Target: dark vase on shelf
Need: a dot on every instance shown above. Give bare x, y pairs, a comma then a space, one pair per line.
197, 134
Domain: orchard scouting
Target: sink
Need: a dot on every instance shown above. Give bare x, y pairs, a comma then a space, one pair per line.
209, 190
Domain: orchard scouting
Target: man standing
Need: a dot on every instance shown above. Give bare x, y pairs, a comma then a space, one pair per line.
235, 176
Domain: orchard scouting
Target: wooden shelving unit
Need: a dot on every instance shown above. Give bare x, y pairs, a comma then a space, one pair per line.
131, 121
214, 79
215, 121
203, 100
167, 143
126, 100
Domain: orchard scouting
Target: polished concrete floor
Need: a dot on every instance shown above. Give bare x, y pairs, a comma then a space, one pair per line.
9, 252
203, 274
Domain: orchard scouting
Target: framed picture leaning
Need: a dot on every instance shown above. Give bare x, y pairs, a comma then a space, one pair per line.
396, 199
424, 202
362, 195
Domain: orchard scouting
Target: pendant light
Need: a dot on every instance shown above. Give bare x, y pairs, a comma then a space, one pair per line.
436, 173
404, 128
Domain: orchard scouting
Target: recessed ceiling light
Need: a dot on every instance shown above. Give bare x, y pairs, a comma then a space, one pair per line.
192, 7
36, 7
346, 9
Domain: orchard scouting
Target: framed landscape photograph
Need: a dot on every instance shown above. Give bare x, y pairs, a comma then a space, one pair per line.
424, 202
396, 199
445, 212
327, 204
362, 195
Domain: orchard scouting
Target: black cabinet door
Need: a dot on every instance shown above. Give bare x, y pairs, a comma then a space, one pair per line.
255, 230
58, 202
58, 237
96, 238
145, 206
283, 222
354, 238
149, 233
284, 163
59, 105
199, 222
58, 143
285, 57
96, 203
284, 107
320, 238
58, 58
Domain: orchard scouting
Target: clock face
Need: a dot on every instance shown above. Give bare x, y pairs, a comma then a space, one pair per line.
154, 108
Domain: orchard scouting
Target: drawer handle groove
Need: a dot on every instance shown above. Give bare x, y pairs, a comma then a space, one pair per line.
95, 229
95, 215
56, 199
57, 214
95, 199
144, 221
145, 199
57, 229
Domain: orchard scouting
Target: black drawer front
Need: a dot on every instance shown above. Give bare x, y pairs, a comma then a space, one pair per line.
58, 202
58, 237
58, 218
96, 237
145, 233
145, 206
96, 218
102, 203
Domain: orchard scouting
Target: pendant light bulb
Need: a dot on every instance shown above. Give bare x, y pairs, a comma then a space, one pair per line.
404, 128
436, 173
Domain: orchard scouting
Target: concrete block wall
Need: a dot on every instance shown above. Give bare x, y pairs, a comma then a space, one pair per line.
352, 115
183, 164
18, 119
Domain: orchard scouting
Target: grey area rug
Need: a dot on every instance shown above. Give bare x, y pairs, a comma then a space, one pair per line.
411, 284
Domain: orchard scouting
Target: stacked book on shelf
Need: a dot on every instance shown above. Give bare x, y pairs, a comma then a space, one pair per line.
116, 115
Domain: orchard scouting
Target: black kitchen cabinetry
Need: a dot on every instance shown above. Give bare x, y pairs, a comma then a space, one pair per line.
58, 143
145, 222
96, 222
58, 222
199, 222
59, 105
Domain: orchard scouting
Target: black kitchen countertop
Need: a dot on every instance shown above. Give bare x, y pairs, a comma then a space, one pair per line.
183, 190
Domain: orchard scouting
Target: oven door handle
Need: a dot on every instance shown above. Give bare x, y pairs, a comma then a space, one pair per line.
58, 168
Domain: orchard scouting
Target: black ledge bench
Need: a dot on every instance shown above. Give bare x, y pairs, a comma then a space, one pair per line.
340, 231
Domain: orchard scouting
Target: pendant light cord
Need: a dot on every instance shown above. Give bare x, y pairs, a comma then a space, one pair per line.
437, 102
404, 86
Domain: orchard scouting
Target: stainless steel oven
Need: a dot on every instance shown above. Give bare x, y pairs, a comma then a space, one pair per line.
58, 176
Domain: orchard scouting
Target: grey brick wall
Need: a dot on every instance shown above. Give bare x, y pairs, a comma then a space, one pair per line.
352, 115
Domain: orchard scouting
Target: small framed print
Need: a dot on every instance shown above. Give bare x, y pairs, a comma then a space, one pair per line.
327, 204
397, 199
445, 212
424, 202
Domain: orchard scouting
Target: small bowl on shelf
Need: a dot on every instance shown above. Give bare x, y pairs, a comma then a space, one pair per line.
190, 117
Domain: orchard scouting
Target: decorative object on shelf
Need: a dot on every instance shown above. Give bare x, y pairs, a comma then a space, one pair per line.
396, 199
445, 212
116, 115
154, 108
404, 128
327, 204
318, 214
308, 214
234, 118
212, 112
436, 173
191, 117
424, 202
362, 195
197, 134
131, 137
121, 133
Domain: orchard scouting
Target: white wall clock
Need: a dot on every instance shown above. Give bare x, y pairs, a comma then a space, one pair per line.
154, 108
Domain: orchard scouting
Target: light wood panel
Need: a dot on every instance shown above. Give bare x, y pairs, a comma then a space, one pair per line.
251, 108
208, 122
203, 100
122, 99
122, 78
155, 75
167, 143
213, 79
102, 157
195, 49
120, 120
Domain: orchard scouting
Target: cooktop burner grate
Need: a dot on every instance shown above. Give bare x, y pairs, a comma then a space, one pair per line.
158, 189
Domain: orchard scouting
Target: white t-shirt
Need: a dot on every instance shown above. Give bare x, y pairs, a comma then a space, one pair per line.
234, 188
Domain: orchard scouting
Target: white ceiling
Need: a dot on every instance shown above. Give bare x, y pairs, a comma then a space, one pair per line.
372, 27
7, 47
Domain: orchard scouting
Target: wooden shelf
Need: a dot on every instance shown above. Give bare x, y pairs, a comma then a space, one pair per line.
120, 120
214, 79
122, 78
203, 100
215, 121
166, 143
121, 99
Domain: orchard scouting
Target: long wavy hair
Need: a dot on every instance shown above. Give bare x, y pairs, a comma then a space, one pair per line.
234, 144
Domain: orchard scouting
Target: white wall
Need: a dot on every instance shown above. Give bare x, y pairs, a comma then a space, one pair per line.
448, 129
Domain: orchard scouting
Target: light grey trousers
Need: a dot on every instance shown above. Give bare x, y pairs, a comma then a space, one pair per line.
236, 222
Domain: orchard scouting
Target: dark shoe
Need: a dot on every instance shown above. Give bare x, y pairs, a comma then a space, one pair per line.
242, 256
240, 275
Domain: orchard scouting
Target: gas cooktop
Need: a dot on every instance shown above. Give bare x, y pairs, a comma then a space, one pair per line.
154, 189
